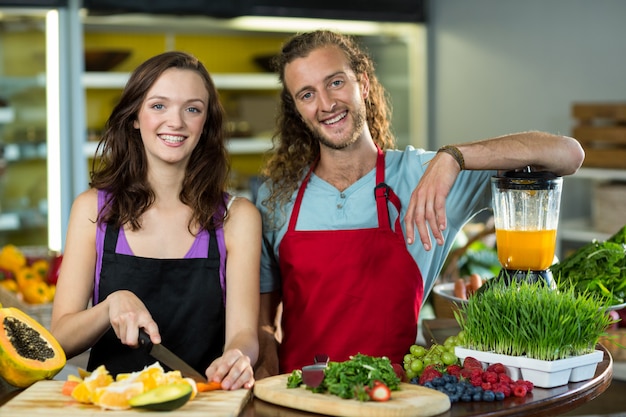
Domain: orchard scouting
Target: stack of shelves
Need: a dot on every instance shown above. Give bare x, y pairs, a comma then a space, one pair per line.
240, 81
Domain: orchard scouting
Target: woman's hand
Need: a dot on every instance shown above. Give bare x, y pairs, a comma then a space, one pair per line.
127, 313
233, 370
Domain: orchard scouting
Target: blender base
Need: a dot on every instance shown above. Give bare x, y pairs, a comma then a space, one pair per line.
509, 276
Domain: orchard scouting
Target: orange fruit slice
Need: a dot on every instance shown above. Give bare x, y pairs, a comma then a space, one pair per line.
84, 391
115, 396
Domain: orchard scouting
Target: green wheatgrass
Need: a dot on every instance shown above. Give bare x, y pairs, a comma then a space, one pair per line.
531, 319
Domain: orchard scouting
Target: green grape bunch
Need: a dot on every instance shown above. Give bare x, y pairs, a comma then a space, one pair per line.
419, 357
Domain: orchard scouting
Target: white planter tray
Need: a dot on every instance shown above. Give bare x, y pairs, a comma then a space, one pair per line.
544, 374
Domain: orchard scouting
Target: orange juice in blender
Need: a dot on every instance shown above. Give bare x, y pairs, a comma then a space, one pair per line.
526, 249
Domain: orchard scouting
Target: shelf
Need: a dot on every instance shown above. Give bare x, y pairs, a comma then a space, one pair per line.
7, 115
12, 85
248, 81
580, 230
26, 151
601, 174
235, 146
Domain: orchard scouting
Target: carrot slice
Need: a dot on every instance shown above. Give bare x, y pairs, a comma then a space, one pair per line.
208, 386
68, 387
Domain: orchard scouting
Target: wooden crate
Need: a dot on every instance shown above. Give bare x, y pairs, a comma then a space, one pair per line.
608, 209
601, 130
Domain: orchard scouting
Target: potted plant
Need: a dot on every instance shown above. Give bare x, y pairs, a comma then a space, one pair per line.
547, 336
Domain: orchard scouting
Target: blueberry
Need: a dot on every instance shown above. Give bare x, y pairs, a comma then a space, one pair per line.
450, 387
415, 380
499, 395
429, 384
454, 398
450, 378
438, 381
477, 397
489, 396
466, 397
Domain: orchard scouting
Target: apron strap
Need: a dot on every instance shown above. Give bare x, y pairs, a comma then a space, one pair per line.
384, 194
295, 212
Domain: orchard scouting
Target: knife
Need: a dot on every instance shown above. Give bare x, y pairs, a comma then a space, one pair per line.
168, 358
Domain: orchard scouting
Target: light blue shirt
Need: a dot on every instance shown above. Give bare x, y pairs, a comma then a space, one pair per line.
326, 208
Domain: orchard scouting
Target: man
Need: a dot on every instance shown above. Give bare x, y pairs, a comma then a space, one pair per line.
341, 207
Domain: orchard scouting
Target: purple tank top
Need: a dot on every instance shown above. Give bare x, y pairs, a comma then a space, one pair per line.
199, 249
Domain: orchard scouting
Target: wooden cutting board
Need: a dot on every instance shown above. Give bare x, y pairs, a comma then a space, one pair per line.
44, 398
410, 401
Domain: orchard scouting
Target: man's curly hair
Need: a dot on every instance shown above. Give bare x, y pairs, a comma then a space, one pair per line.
295, 146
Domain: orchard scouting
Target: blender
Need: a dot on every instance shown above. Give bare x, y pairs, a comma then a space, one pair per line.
526, 215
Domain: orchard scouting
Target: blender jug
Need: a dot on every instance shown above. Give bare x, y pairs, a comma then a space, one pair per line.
526, 215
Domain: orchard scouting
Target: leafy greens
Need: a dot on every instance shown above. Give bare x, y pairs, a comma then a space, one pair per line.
597, 267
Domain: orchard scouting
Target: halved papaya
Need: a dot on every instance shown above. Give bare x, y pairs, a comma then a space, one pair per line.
28, 351
163, 398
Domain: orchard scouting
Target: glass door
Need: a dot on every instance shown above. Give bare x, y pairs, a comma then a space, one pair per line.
23, 128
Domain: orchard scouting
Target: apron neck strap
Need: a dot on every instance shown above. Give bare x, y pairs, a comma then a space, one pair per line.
384, 194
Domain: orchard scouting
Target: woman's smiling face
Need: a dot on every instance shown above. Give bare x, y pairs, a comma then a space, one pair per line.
172, 115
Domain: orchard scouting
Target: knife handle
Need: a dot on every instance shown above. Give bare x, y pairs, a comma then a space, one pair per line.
144, 339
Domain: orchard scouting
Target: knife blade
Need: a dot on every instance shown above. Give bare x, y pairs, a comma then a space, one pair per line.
168, 358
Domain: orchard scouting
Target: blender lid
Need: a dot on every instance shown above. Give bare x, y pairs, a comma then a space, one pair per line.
527, 180
527, 174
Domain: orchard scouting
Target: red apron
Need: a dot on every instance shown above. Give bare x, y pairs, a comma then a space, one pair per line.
348, 291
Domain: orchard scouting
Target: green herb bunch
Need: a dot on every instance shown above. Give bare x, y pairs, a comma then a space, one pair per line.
529, 318
348, 379
597, 267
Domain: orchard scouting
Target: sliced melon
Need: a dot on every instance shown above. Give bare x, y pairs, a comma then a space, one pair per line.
163, 398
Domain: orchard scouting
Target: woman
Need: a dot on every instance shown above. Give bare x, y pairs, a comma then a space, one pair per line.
148, 242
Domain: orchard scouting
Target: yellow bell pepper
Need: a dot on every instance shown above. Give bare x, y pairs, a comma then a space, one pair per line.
25, 277
12, 258
36, 293
41, 266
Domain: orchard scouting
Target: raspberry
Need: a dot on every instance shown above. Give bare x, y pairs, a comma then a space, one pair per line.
519, 390
454, 370
505, 389
486, 386
476, 381
490, 376
529, 385
428, 374
504, 378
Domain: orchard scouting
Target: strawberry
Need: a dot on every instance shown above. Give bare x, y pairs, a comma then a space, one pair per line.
472, 363
471, 373
379, 392
497, 368
400, 373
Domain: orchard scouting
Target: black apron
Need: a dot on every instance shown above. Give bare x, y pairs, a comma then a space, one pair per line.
184, 297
